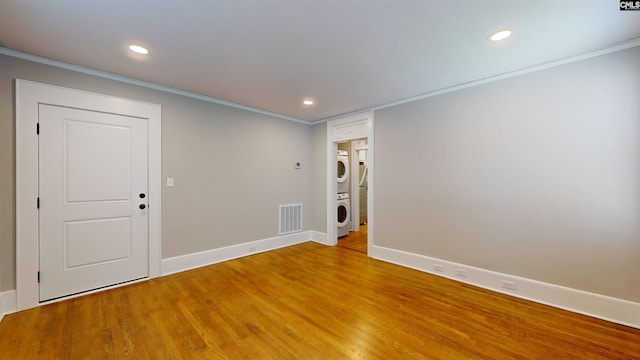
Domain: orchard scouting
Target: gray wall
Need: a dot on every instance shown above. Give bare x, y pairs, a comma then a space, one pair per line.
231, 167
536, 176
7, 177
319, 197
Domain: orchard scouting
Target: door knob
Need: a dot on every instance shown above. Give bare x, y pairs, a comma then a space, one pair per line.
142, 195
142, 206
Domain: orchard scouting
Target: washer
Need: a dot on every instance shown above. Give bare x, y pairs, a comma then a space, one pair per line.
344, 217
343, 171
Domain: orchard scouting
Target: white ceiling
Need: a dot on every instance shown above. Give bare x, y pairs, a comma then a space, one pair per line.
348, 55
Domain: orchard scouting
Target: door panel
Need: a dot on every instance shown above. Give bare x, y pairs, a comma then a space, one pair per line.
91, 242
93, 166
92, 172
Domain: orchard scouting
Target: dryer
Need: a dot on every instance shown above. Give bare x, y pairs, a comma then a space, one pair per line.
344, 216
343, 171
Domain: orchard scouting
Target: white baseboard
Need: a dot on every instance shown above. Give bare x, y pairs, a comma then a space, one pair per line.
8, 303
191, 261
319, 237
599, 306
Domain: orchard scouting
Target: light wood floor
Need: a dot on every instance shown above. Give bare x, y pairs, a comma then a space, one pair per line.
356, 240
308, 301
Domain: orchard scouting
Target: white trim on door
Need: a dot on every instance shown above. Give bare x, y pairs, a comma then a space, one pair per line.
28, 95
353, 127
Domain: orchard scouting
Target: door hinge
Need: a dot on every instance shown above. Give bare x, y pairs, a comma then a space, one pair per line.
38, 128
38, 203
38, 276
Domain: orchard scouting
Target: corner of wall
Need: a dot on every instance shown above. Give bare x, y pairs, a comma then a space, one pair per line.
7, 303
319, 237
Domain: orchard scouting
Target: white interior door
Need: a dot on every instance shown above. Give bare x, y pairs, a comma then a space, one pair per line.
93, 181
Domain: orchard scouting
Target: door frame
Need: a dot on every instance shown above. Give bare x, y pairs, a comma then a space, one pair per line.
28, 95
353, 127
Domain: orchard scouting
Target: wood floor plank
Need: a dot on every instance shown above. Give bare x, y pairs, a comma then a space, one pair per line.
308, 301
355, 240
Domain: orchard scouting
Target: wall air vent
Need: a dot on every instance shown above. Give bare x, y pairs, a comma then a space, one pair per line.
290, 218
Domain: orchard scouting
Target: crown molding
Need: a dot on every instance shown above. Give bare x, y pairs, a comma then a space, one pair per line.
615, 48
111, 76
142, 83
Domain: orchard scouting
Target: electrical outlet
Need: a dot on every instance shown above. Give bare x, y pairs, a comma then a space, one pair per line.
461, 272
438, 267
511, 285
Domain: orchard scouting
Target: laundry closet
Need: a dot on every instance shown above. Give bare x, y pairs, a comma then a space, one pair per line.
352, 187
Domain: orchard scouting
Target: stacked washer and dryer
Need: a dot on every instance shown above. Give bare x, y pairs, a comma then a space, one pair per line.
343, 202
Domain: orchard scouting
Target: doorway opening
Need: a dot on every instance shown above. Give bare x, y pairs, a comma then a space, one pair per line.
352, 171
350, 182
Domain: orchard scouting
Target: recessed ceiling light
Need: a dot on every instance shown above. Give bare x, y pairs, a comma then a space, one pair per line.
138, 49
308, 102
500, 35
